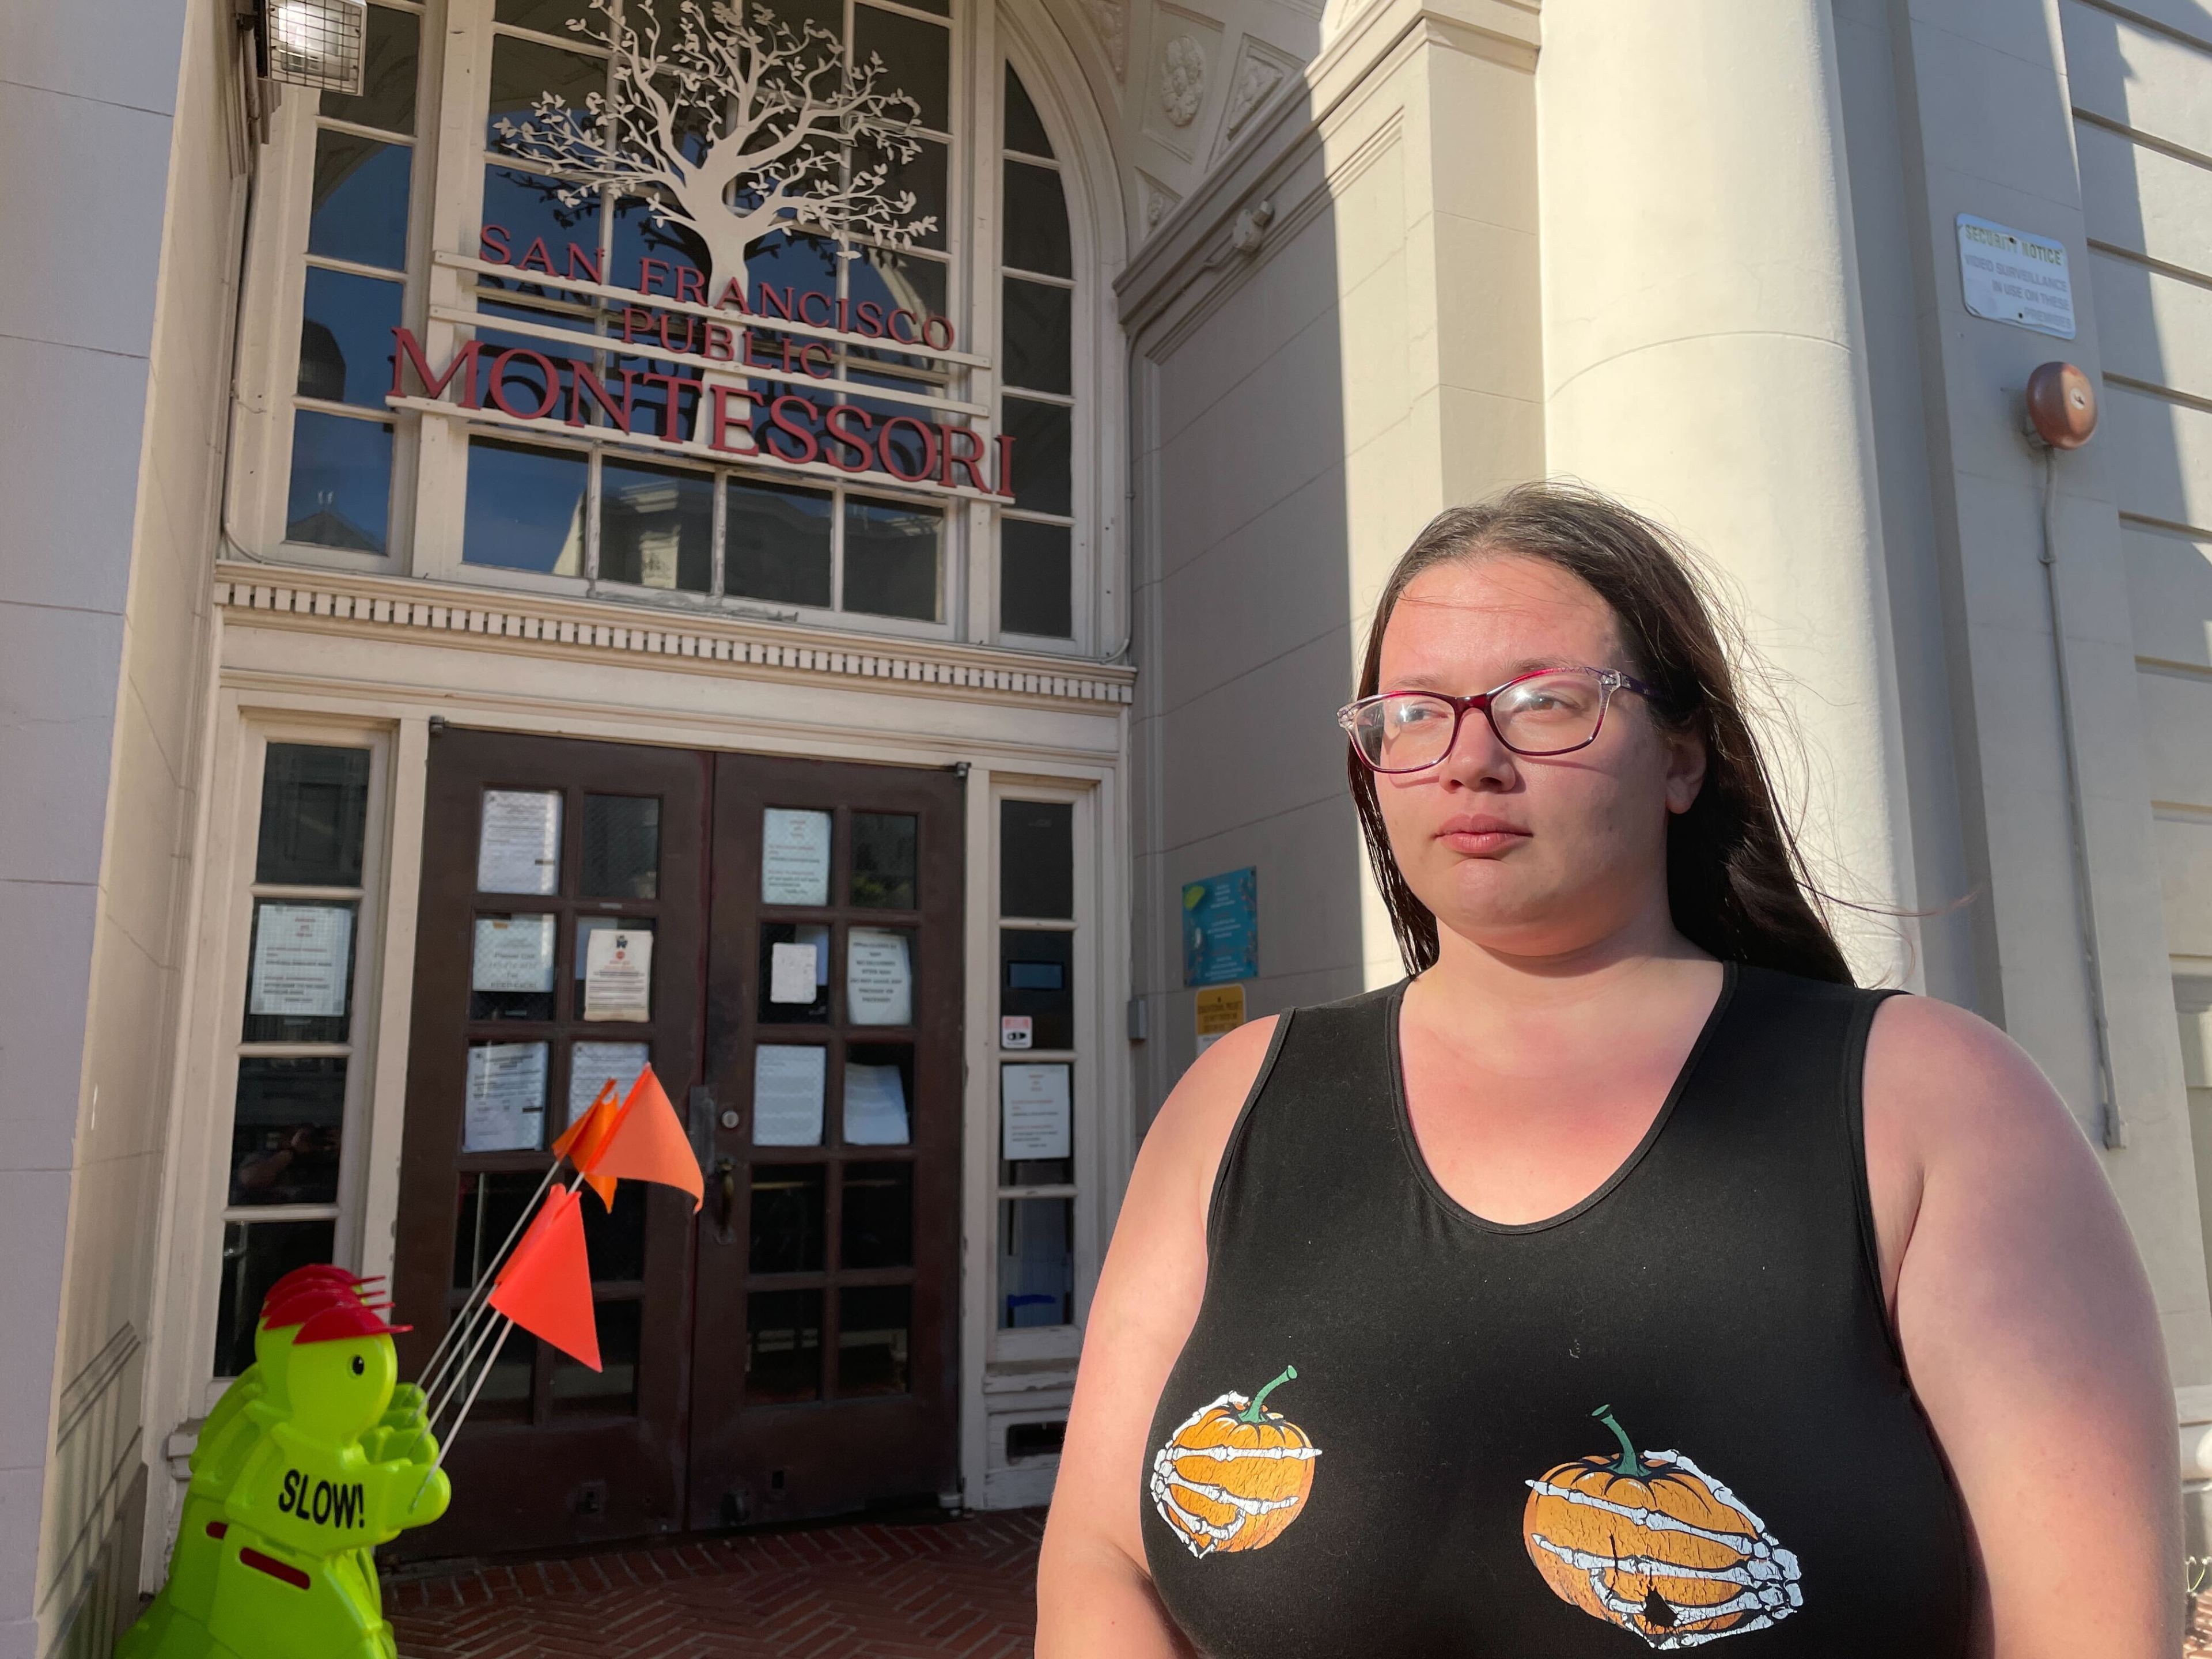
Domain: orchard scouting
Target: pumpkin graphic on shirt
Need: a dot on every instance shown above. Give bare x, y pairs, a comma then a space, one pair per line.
1234, 1475
1650, 1542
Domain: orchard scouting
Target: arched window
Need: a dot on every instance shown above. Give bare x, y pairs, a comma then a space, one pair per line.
1036, 312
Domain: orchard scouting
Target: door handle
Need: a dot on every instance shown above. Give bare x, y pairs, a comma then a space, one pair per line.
726, 1194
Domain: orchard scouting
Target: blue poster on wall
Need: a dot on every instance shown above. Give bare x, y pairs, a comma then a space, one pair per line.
1221, 928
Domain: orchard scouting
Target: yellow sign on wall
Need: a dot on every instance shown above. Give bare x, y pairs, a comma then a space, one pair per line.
1220, 1011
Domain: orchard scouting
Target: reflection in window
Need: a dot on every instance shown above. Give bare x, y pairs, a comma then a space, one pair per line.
656, 526
522, 71
878, 1229
1024, 128
255, 1255
387, 89
1036, 221
285, 1131
1035, 571
892, 556
621, 846
885, 846
873, 1322
360, 203
1037, 1262
1036, 858
315, 814
526, 507
787, 1212
1039, 324
783, 1346
341, 492
1042, 438
917, 60
345, 338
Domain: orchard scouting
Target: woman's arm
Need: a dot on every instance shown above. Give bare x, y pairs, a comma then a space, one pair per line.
2030, 1337
1094, 1594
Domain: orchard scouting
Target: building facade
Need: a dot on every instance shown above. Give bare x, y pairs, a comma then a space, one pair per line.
489, 605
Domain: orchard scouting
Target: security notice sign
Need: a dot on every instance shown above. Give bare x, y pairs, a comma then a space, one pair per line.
2013, 276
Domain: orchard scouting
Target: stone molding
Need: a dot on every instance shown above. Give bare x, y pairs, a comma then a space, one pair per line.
376, 607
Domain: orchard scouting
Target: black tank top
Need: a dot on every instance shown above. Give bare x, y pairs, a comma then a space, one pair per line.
1672, 1415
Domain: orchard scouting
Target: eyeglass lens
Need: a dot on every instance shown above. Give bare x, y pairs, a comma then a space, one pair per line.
1544, 714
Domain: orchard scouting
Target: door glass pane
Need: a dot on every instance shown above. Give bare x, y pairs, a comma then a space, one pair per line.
1037, 564
340, 494
285, 1130
511, 967
255, 1255
788, 1203
794, 959
359, 208
1036, 858
1024, 129
656, 526
504, 1101
611, 1391
592, 1065
587, 926
519, 842
621, 846
783, 1346
879, 1094
1037, 1262
1042, 482
789, 1085
1037, 977
387, 81
873, 1325
878, 1228
1036, 221
491, 1202
506, 1395
614, 1240
917, 61
1040, 326
525, 509
776, 545
883, 857
299, 981
345, 338
891, 559
879, 975
314, 813
794, 856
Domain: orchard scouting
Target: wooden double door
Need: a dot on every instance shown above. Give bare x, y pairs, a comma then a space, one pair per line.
781, 940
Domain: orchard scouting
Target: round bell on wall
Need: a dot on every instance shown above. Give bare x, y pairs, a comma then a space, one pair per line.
2061, 405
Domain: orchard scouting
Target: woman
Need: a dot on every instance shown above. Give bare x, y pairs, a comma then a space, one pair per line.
1625, 1278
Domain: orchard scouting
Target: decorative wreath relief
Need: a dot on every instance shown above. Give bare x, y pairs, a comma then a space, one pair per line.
737, 125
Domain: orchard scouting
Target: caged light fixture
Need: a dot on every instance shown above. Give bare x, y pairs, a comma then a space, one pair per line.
313, 43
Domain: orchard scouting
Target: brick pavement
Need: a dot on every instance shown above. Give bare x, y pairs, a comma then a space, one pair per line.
861, 1591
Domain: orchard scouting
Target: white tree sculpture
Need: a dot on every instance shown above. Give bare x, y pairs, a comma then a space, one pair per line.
737, 126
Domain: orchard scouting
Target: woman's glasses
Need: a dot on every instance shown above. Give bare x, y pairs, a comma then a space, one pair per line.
1550, 711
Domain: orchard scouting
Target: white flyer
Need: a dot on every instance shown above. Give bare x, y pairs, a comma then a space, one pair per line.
794, 856
519, 847
788, 1083
512, 953
592, 1064
505, 1101
618, 973
878, 978
1033, 1112
301, 955
791, 973
875, 1106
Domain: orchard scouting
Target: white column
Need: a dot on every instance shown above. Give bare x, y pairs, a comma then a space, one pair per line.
1705, 361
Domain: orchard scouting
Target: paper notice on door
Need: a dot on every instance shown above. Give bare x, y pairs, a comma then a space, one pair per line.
592, 1066
878, 978
512, 953
301, 955
505, 1108
519, 849
875, 1106
794, 856
788, 1083
791, 973
618, 975
1033, 1111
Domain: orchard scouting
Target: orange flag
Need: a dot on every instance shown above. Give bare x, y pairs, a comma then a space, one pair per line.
586, 1136
648, 1143
546, 1285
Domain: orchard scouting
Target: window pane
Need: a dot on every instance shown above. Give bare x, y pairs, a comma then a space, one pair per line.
525, 509
1035, 571
1036, 858
675, 244
387, 90
614, 1240
897, 282
547, 16
780, 1003
777, 545
878, 1229
521, 70
1037, 1262
314, 813
1037, 977
490, 1204
879, 1094
611, 1391
1036, 221
923, 174
521, 209
1036, 1125
1042, 440
285, 1129
255, 1255
917, 61
299, 978
593, 1065
1039, 325
891, 558
879, 969
787, 1209
345, 338
1024, 131
511, 967
873, 1325
621, 846
360, 210
783, 1346
503, 1101
504, 1397
884, 856
656, 526
341, 491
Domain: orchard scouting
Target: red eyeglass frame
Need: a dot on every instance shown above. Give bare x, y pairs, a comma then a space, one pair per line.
1609, 680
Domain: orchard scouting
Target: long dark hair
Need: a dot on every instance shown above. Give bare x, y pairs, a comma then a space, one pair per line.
1735, 879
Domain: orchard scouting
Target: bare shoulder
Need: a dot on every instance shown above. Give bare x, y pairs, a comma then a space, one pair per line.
1942, 1081
1186, 1141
